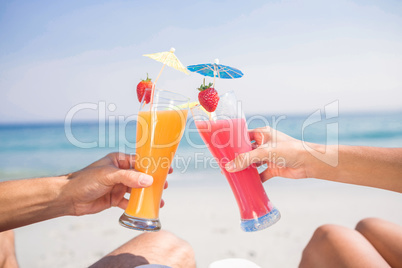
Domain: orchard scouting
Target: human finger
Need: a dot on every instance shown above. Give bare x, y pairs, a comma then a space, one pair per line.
244, 160
266, 175
162, 203
128, 177
254, 145
123, 203
120, 160
166, 185
258, 164
260, 135
170, 170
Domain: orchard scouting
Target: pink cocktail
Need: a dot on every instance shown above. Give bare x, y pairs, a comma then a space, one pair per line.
225, 134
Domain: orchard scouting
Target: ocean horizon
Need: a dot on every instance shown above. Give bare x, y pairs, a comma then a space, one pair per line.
36, 149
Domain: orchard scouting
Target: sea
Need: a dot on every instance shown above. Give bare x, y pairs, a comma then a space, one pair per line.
30, 150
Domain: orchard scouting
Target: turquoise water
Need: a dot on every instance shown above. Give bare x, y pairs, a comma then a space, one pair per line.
32, 150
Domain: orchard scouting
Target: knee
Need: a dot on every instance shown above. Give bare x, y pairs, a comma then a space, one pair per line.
326, 233
179, 251
7, 249
366, 225
8, 235
320, 243
175, 243
7, 241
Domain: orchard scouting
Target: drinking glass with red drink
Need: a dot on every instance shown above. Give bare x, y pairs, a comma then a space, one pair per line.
224, 131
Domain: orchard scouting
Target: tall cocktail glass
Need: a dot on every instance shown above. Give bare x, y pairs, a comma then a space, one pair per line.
225, 133
160, 126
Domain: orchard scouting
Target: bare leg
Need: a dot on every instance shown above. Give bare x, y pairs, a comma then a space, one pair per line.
151, 248
337, 246
386, 237
7, 250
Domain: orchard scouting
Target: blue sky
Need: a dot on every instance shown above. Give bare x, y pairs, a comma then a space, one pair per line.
297, 56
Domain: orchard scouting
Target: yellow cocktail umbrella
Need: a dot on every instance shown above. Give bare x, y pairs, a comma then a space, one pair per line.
167, 58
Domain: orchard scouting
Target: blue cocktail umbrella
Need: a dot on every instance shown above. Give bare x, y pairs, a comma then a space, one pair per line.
216, 70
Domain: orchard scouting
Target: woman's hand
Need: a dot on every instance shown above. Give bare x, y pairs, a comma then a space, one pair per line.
283, 155
291, 158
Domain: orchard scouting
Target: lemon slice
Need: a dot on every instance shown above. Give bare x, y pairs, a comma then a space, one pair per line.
190, 105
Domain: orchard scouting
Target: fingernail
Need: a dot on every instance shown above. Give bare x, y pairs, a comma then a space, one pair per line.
230, 166
145, 180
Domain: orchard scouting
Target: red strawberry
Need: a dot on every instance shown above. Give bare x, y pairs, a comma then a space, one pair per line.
208, 97
142, 89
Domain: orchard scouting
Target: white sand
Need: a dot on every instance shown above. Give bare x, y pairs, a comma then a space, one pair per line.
207, 217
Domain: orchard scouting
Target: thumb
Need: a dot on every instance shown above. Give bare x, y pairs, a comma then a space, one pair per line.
244, 160
131, 178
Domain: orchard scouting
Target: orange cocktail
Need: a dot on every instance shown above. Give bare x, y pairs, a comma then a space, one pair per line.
160, 126
161, 131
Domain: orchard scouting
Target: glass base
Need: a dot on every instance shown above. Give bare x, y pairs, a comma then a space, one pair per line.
261, 223
139, 223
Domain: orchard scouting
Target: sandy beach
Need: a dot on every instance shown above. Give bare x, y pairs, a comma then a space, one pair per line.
323, 72
206, 215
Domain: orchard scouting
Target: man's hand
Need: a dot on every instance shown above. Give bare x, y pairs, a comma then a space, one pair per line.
104, 183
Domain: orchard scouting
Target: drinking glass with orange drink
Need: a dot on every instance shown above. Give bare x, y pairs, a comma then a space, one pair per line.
160, 126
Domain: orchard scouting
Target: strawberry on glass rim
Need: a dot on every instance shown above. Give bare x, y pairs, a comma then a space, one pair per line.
208, 97
142, 87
